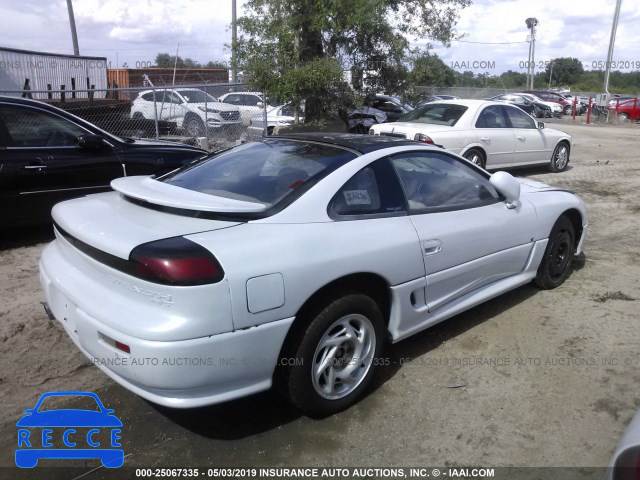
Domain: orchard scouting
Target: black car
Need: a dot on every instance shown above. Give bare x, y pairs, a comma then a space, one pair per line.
392, 106
48, 155
519, 101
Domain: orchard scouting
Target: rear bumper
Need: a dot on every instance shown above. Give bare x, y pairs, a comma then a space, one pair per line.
180, 374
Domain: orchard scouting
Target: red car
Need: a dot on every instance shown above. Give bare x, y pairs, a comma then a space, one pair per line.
626, 110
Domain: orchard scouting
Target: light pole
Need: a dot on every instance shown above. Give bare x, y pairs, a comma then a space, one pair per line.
532, 22
612, 41
234, 39
72, 24
550, 75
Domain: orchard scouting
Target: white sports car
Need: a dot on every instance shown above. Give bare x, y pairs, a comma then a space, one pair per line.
490, 134
293, 260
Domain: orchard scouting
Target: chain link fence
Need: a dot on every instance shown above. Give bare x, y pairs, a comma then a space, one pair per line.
189, 114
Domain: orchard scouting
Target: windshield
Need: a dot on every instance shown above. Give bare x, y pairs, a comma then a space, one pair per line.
196, 96
265, 172
435, 113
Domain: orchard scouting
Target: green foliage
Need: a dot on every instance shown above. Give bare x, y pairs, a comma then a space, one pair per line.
283, 42
562, 71
164, 60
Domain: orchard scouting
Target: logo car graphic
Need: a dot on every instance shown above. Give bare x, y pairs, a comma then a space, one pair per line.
32, 447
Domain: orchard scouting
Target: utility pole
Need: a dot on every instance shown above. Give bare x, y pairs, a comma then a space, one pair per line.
234, 39
612, 41
532, 22
72, 23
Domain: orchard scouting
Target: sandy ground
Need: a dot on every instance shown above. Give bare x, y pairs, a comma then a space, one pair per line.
548, 378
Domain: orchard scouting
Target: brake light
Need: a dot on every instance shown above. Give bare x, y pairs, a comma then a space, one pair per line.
421, 137
175, 261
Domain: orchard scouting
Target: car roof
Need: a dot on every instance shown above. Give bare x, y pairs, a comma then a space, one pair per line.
358, 142
25, 101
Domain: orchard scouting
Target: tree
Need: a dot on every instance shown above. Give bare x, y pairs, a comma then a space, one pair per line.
563, 71
282, 42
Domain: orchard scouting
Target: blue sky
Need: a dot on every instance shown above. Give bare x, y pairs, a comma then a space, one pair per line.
134, 32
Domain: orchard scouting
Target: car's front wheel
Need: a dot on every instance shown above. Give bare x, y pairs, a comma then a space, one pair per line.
194, 126
560, 158
623, 118
475, 156
335, 356
555, 265
568, 109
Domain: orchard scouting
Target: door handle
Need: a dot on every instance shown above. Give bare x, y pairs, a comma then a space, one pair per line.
521, 138
485, 139
431, 247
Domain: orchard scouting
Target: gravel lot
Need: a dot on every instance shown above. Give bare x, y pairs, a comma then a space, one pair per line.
544, 378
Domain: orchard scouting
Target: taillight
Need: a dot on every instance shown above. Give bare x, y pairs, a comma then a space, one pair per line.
175, 261
421, 137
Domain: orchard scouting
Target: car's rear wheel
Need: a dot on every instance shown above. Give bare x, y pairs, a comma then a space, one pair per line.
336, 355
568, 109
623, 118
476, 156
560, 158
194, 126
555, 265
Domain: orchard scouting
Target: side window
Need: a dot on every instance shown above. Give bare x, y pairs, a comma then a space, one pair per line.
28, 127
491, 117
519, 119
149, 97
233, 99
434, 182
374, 190
173, 97
251, 100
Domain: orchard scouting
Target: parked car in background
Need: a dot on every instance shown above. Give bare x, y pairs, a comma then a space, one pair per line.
392, 106
555, 109
291, 261
626, 110
490, 134
280, 116
521, 102
581, 105
192, 109
551, 97
48, 155
249, 103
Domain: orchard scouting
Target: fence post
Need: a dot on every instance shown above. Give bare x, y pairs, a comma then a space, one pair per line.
115, 91
575, 106
25, 89
589, 110
155, 114
90, 93
73, 87
49, 94
62, 93
633, 115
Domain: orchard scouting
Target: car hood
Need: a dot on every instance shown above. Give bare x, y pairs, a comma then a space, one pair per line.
149, 144
69, 418
223, 107
531, 186
117, 222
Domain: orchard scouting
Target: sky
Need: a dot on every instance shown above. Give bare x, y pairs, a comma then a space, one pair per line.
132, 32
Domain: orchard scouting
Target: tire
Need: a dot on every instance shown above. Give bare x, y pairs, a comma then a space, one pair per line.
476, 156
194, 127
560, 158
556, 263
568, 109
138, 116
321, 391
623, 118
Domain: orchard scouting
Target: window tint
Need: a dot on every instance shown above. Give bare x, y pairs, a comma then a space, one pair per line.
435, 182
194, 96
251, 100
265, 172
28, 127
374, 190
233, 99
491, 117
435, 113
519, 119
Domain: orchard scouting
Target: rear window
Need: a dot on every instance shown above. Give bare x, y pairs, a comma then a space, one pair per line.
273, 172
435, 113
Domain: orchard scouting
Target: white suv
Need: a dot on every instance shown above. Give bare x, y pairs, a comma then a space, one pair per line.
190, 108
249, 103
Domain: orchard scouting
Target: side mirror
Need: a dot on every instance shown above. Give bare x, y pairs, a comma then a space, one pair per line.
541, 125
507, 186
259, 104
90, 141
